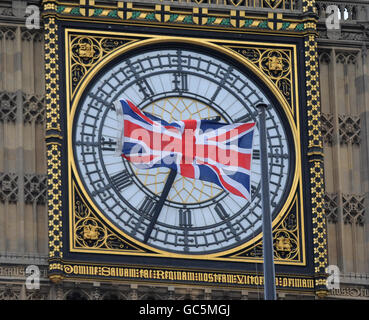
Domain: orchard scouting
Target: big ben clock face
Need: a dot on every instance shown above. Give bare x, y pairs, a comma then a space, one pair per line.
177, 82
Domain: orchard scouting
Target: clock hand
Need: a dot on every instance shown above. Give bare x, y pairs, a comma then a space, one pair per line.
168, 185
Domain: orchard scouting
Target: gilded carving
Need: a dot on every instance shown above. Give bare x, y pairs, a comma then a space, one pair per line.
283, 244
90, 232
276, 64
286, 239
87, 51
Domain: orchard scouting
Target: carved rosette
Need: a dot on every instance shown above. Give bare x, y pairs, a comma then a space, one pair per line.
8, 187
35, 188
349, 129
353, 209
8, 106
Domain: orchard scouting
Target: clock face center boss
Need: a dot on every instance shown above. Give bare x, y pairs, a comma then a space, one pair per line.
197, 208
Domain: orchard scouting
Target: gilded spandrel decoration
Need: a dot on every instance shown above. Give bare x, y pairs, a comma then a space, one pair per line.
286, 241
91, 233
276, 64
86, 52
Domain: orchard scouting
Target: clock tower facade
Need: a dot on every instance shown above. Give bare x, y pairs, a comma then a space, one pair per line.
80, 214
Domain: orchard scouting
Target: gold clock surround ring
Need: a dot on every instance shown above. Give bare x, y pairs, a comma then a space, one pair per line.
206, 43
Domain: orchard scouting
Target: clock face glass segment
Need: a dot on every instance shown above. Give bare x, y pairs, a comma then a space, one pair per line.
176, 84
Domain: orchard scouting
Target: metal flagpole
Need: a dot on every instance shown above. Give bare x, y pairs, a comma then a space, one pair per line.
268, 251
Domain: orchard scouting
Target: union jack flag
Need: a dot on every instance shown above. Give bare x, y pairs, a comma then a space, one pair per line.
199, 149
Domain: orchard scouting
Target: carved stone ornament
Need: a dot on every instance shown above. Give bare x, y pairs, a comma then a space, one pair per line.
35, 35
8, 33
353, 209
8, 187
325, 57
346, 57
33, 109
331, 207
8, 106
9, 292
327, 127
35, 188
349, 129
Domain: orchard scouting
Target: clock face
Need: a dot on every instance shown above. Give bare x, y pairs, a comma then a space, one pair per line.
176, 83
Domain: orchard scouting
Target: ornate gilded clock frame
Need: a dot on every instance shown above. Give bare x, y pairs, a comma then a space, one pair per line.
303, 270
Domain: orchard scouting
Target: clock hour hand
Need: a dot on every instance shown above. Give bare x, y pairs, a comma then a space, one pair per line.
168, 185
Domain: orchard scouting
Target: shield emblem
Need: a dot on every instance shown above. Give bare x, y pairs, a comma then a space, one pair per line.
162, 13
237, 18
200, 15
125, 10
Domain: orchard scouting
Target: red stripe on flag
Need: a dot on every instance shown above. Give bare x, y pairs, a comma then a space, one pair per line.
225, 184
225, 157
187, 170
146, 118
154, 140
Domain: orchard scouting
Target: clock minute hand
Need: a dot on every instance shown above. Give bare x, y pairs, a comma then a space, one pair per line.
168, 185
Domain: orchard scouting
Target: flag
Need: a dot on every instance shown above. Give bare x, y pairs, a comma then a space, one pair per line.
206, 150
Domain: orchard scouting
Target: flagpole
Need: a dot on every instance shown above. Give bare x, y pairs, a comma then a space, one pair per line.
268, 251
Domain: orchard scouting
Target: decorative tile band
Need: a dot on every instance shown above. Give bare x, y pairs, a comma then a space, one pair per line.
164, 14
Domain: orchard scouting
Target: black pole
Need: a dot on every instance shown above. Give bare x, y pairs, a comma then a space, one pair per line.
268, 251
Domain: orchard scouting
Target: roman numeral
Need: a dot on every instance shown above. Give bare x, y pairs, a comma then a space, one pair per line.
121, 180
147, 207
185, 218
225, 75
256, 154
143, 85
180, 82
107, 145
247, 117
219, 209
